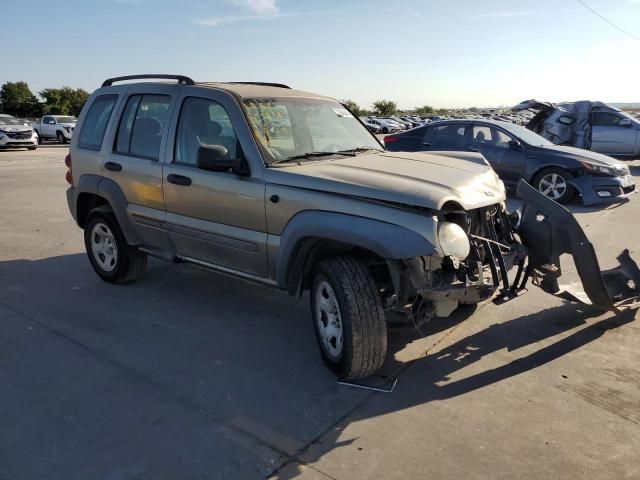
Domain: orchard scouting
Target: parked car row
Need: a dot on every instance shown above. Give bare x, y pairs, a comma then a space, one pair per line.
19, 132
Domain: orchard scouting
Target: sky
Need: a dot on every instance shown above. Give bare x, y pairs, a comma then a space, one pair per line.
454, 53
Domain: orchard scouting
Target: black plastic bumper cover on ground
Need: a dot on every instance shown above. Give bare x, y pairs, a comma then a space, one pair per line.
548, 230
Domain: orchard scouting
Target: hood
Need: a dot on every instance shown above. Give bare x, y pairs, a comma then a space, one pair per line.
421, 179
15, 128
533, 105
582, 155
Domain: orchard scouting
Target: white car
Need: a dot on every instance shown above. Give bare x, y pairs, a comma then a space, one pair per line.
55, 127
386, 126
14, 133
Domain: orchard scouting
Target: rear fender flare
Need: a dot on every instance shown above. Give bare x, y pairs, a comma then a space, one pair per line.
112, 193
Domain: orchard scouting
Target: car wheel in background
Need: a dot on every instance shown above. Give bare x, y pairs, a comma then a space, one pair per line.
554, 184
348, 318
61, 138
113, 259
385, 130
32, 148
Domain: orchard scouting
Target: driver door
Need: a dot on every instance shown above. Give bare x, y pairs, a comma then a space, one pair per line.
217, 218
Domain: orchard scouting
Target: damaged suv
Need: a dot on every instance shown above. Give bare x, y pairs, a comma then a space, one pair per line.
289, 189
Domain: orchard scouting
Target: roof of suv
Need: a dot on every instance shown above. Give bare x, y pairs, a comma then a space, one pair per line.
248, 90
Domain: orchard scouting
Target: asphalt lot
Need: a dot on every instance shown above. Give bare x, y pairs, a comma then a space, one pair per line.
187, 374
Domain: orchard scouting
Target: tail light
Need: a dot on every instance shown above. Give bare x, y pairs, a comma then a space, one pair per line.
390, 139
67, 162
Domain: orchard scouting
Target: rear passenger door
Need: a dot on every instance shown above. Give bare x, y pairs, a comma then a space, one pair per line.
214, 217
133, 163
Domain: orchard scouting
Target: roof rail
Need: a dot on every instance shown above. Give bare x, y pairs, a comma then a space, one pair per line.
264, 84
180, 78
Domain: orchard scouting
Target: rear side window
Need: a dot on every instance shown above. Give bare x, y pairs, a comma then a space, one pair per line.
95, 123
141, 126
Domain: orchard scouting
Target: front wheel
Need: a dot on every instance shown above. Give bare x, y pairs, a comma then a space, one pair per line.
113, 259
61, 138
554, 184
348, 318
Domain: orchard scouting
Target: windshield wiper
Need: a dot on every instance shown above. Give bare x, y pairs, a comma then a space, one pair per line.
358, 150
308, 155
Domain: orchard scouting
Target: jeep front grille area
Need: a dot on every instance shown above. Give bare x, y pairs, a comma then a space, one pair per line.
494, 247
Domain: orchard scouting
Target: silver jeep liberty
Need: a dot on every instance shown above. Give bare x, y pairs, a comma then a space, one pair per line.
289, 189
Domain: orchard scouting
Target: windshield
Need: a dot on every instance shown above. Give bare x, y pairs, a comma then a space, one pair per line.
10, 121
527, 136
65, 119
291, 127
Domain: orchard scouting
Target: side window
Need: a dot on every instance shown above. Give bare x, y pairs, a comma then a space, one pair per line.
141, 126
95, 122
502, 139
446, 136
482, 135
47, 120
203, 122
605, 119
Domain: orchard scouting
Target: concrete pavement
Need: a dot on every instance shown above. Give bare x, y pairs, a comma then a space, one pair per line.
188, 374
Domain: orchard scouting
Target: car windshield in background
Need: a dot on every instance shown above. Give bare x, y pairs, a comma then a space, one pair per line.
526, 135
66, 119
10, 121
292, 128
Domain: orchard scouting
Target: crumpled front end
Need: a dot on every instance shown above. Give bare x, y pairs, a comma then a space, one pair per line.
530, 240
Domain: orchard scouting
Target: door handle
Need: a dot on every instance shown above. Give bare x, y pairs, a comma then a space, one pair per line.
113, 166
179, 180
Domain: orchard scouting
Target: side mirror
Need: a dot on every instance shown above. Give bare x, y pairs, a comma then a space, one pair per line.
515, 145
625, 122
213, 158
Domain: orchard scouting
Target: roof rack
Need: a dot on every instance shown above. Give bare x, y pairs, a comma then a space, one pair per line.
263, 84
180, 78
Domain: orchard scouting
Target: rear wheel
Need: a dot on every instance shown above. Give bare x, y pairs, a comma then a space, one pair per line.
554, 184
113, 259
348, 318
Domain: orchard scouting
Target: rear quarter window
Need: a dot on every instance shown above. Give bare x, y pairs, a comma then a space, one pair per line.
95, 122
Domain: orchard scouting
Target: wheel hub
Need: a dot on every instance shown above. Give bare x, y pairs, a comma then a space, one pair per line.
553, 186
329, 320
103, 247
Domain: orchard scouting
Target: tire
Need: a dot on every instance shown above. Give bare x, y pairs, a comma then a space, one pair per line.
353, 335
32, 148
61, 138
385, 130
545, 178
127, 265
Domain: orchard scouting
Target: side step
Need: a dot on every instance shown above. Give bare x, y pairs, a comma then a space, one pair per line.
548, 230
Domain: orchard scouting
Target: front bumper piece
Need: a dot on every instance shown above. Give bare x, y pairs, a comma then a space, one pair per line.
548, 230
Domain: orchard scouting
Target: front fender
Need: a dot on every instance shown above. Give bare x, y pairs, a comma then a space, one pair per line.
387, 240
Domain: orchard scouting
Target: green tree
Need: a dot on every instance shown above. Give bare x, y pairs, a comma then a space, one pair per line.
442, 111
424, 110
354, 107
64, 101
16, 99
384, 108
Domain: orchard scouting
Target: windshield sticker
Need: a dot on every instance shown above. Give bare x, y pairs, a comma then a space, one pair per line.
342, 112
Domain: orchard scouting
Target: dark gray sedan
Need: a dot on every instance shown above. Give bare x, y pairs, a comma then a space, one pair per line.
514, 152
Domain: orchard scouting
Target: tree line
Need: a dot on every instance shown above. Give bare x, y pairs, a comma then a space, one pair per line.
17, 99
386, 108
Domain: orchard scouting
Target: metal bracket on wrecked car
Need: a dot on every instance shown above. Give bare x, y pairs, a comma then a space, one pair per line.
548, 230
